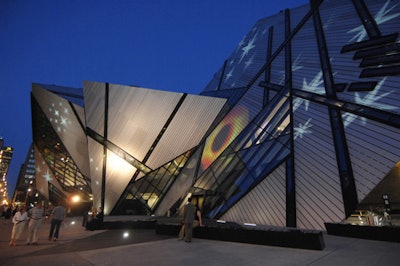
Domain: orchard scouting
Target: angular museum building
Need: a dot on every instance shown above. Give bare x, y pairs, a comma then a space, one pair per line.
300, 126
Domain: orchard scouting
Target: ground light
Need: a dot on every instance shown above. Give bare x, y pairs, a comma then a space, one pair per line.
250, 224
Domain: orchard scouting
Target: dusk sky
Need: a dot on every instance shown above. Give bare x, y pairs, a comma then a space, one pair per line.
173, 45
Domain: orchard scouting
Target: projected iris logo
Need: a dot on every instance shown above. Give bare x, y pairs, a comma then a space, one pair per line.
223, 135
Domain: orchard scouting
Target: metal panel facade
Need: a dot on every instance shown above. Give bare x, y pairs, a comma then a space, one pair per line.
187, 128
66, 124
136, 117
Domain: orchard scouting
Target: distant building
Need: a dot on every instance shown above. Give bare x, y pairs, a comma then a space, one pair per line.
25, 188
6, 153
300, 126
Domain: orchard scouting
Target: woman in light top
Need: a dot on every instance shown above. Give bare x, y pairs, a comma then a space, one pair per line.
19, 224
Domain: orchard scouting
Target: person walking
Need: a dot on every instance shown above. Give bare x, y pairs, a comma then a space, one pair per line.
198, 221
58, 215
188, 218
19, 224
35, 221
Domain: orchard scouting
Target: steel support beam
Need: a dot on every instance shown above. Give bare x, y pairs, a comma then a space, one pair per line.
345, 170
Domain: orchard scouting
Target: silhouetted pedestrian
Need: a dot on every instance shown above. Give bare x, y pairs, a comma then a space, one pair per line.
96, 220
198, 221
188, 218
7, 214
58, 215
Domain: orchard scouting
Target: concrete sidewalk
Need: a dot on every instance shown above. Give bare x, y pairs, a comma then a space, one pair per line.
76, 246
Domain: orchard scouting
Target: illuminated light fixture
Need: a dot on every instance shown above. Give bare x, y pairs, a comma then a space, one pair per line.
125, 235
221, 221
75, 198
72, 222
249, 224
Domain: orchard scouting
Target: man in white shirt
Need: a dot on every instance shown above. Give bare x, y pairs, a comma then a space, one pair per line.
35, 220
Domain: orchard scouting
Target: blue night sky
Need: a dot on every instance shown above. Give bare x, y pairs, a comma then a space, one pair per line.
174, 45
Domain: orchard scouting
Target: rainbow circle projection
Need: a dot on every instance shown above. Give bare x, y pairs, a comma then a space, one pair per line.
224, 134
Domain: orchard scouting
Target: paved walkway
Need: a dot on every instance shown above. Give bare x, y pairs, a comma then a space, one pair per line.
76, 246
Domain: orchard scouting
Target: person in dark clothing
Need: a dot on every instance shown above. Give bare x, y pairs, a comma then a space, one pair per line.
96, 220
58, 215
198, 221
7, 214
188, 218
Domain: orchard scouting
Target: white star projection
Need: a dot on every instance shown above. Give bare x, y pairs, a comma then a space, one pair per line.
249, 62
302, 129
295, 66
264, 32
381, 16
47, 176
315, 86
38, 169
370, 99
240, 45
60, 116
228, 75
250, 45
96, 169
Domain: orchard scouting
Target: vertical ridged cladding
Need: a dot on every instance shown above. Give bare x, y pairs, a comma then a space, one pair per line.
374, 150
187, 128
318, 191
318, 187
42, 185
252, 208
342, 27
136, 119
65, 123
137, 116
96, 166
119, 173
94, 93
